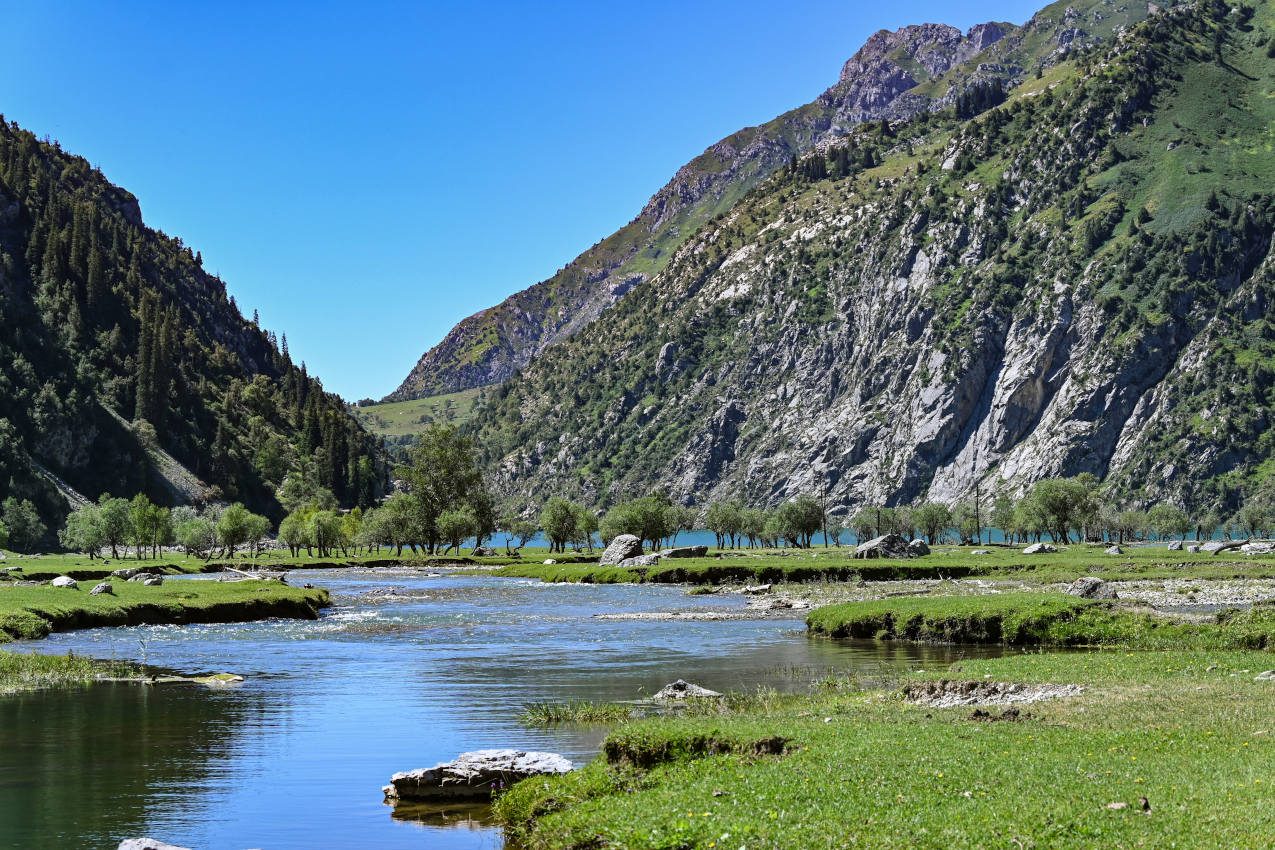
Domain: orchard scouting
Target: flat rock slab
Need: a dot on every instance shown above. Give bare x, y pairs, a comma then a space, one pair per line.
641, 561
685, 552
946, 693
681, 689
147, 844
1040, 549
474, 776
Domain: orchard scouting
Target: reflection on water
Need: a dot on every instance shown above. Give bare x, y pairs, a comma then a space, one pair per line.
381, 683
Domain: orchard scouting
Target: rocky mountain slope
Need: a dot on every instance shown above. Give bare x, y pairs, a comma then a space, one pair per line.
125, 367
1077, 280
895, 75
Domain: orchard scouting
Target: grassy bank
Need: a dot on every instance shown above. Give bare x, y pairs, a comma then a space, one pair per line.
77, 566
945, 562
28, 672
1190, 731
34, 612
1040, 619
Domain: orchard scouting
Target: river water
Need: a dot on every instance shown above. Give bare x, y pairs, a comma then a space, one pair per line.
296, 756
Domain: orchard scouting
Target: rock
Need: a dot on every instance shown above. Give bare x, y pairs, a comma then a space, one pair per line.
1040, 549
550, 561
474, 776
1258, 548
917, 548
980, 552
640, 561
152, 581
1193, 548
885, 546
219, 680
1113, 550
753, 590
485, 552
1090, 587
65, 581
621, 547
128, 572
1175, 546
1215, 546
102, 587
682, 689
685, 552
147, 844
1265, 676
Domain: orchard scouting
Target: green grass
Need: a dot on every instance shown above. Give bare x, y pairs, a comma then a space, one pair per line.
866, 769
582, 712
946, 562
34, 612
408, 418
32, 671
1033, 619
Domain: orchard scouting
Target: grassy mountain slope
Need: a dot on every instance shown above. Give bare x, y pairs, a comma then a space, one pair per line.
1076, 280
117, 348
894, 76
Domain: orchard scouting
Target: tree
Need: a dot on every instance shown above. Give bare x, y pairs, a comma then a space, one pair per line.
800, 519
197, 536
966, 521
1002, 515
558, 519
258, 527
1131, 525
586, 526
933, 519
455, 526
864, 523
83, 531
645, 518
752, 524
234, 528
444, 476
4, 535
23, 523
294, 531
681, 518
116, 525
726, 521
1169, 521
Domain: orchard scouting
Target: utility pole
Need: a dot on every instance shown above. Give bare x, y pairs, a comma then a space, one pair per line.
978, 520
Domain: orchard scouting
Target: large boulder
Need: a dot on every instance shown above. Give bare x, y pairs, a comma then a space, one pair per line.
1175, 546
621, 547
485, 552
152, 581
1258, 548
885, 546
1091, 587
685, 552
682, 689
1213, 547
918, 547
640, 561
65, 581
473, 776
102, 587
1040, 549
1113, 550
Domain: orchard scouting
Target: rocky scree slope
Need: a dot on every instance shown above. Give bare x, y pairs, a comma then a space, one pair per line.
1078, 280
895, 75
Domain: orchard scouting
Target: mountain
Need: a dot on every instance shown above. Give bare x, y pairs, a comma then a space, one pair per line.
895, 75
1076, 279
125, 367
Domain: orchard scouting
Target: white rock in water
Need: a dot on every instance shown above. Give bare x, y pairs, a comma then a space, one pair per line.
477, 775
65, 581
681, 689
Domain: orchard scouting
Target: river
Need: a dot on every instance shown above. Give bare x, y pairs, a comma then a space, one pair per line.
382, 682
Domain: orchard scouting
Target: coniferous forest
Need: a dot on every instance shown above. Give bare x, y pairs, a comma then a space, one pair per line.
126, 367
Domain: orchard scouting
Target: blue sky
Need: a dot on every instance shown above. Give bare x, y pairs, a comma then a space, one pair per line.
367, 174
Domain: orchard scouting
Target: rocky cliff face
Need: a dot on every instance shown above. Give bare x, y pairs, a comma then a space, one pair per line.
1034, 292
491, 345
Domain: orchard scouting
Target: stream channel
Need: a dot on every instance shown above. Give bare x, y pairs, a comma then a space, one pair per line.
296, 756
